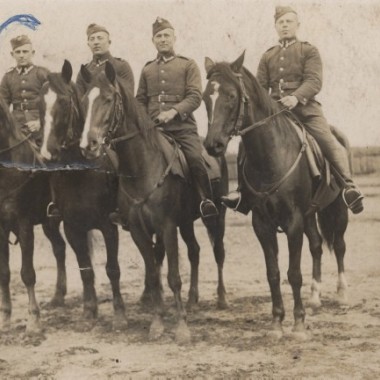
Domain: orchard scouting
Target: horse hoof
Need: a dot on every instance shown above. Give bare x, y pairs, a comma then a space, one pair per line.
314, 303
57, 301
119, 323
33, 328
342, 299
300, 336
90, 314
156, 329
182, 333
222, 305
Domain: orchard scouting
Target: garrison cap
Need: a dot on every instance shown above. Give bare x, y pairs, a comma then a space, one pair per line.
95, 28
280, 11
161, 24
19, 41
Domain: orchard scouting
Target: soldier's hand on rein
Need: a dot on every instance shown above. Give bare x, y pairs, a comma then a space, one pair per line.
33, 125
289, 101
166, 116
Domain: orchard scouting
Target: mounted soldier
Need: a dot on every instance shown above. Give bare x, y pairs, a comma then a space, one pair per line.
21, 86
292, 73
170, 89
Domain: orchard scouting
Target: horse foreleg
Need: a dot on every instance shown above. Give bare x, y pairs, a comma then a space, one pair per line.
315, 246
28, 275
111, 238
5, 277
182, 334
78, 241
216, 234
152, 279
295, 239
187, 233
51, 230
266, 234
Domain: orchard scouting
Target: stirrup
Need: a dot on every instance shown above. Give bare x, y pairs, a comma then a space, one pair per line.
355, 205
208, 209
52, 211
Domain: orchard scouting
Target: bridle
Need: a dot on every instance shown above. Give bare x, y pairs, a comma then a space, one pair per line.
69, 140
240, 130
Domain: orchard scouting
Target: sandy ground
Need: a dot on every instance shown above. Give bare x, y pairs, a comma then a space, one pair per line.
231, 344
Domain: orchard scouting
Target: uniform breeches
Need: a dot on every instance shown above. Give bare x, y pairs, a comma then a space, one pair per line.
315, 123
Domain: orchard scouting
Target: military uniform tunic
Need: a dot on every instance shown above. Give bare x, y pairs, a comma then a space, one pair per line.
175, 82
122, 68
295, 68
21, 89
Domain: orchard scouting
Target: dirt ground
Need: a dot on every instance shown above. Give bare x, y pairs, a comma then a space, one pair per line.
230, 344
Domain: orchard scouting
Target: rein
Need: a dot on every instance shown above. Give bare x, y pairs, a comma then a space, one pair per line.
240, 131
27, 137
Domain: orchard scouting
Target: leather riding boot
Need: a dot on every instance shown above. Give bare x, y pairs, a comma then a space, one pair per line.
203, 186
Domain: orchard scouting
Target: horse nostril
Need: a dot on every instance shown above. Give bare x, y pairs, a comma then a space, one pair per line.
219, 145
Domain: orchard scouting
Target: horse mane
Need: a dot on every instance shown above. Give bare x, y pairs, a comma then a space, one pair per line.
260, 96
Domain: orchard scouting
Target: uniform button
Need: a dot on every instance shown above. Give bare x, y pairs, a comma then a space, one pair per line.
281, 58
162, 92
97, 65
281, 80
25, 100
162, 71
23, 90
163, 103
162, 81
281, 69
23, 81
26, 110
282, 91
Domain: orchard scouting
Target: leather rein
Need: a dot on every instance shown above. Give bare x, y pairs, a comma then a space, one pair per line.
241, 130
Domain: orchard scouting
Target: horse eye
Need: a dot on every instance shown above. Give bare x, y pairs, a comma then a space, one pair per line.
232, 96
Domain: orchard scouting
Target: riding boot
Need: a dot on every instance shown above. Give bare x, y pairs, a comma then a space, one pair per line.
352, 196
203, 186
52, 210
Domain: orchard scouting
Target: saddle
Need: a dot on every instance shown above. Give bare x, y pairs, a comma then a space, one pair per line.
176, 158
326, 187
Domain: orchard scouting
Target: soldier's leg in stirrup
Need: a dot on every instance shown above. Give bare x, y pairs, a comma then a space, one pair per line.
338, 158
52, 210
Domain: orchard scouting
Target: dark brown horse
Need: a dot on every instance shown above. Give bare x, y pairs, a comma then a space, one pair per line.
153, 200
24, 196
85, 191
277, 181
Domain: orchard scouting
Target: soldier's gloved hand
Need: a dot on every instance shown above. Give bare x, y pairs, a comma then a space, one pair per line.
33, 125
289, 101
166, 116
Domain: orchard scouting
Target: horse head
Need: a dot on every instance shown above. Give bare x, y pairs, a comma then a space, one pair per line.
105, 110
223, 97
63, 116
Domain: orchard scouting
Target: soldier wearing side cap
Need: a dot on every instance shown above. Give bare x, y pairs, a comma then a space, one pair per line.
170, 89
292, 72
21, 86
98, 40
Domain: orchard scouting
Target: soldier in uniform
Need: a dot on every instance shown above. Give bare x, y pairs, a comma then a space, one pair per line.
170, 89
21, 86
292, 72
99, 42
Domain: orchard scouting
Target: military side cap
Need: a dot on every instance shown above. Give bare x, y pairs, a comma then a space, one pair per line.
280, 11
95, 28
161, 24
19, 41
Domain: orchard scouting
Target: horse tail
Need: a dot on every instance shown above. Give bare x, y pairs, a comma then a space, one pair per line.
326, 220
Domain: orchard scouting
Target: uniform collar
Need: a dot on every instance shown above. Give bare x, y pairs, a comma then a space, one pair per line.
287, 42
24, 70
100, 60
163, 58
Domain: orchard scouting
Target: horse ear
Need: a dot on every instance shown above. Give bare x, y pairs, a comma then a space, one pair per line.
86, 75
238, 64
209, 64
67, 71
110, 72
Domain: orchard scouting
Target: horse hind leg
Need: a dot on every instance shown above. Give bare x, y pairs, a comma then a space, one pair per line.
216, 231
51, 230
78, 241
111, 238
182, 333
315, 246
187, 233
28, 275
5, 276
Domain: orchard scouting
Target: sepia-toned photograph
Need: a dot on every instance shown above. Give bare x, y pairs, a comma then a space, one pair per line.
189, 189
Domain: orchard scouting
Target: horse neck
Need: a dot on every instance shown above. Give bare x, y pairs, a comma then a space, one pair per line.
273, 147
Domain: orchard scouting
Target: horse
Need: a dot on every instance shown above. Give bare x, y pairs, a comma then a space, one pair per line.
24, 196
277, 182
151, 198
85, 191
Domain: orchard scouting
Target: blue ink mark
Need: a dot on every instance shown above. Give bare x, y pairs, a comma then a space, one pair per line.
27, 20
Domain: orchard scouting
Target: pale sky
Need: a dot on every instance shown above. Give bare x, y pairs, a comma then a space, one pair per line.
347, 34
